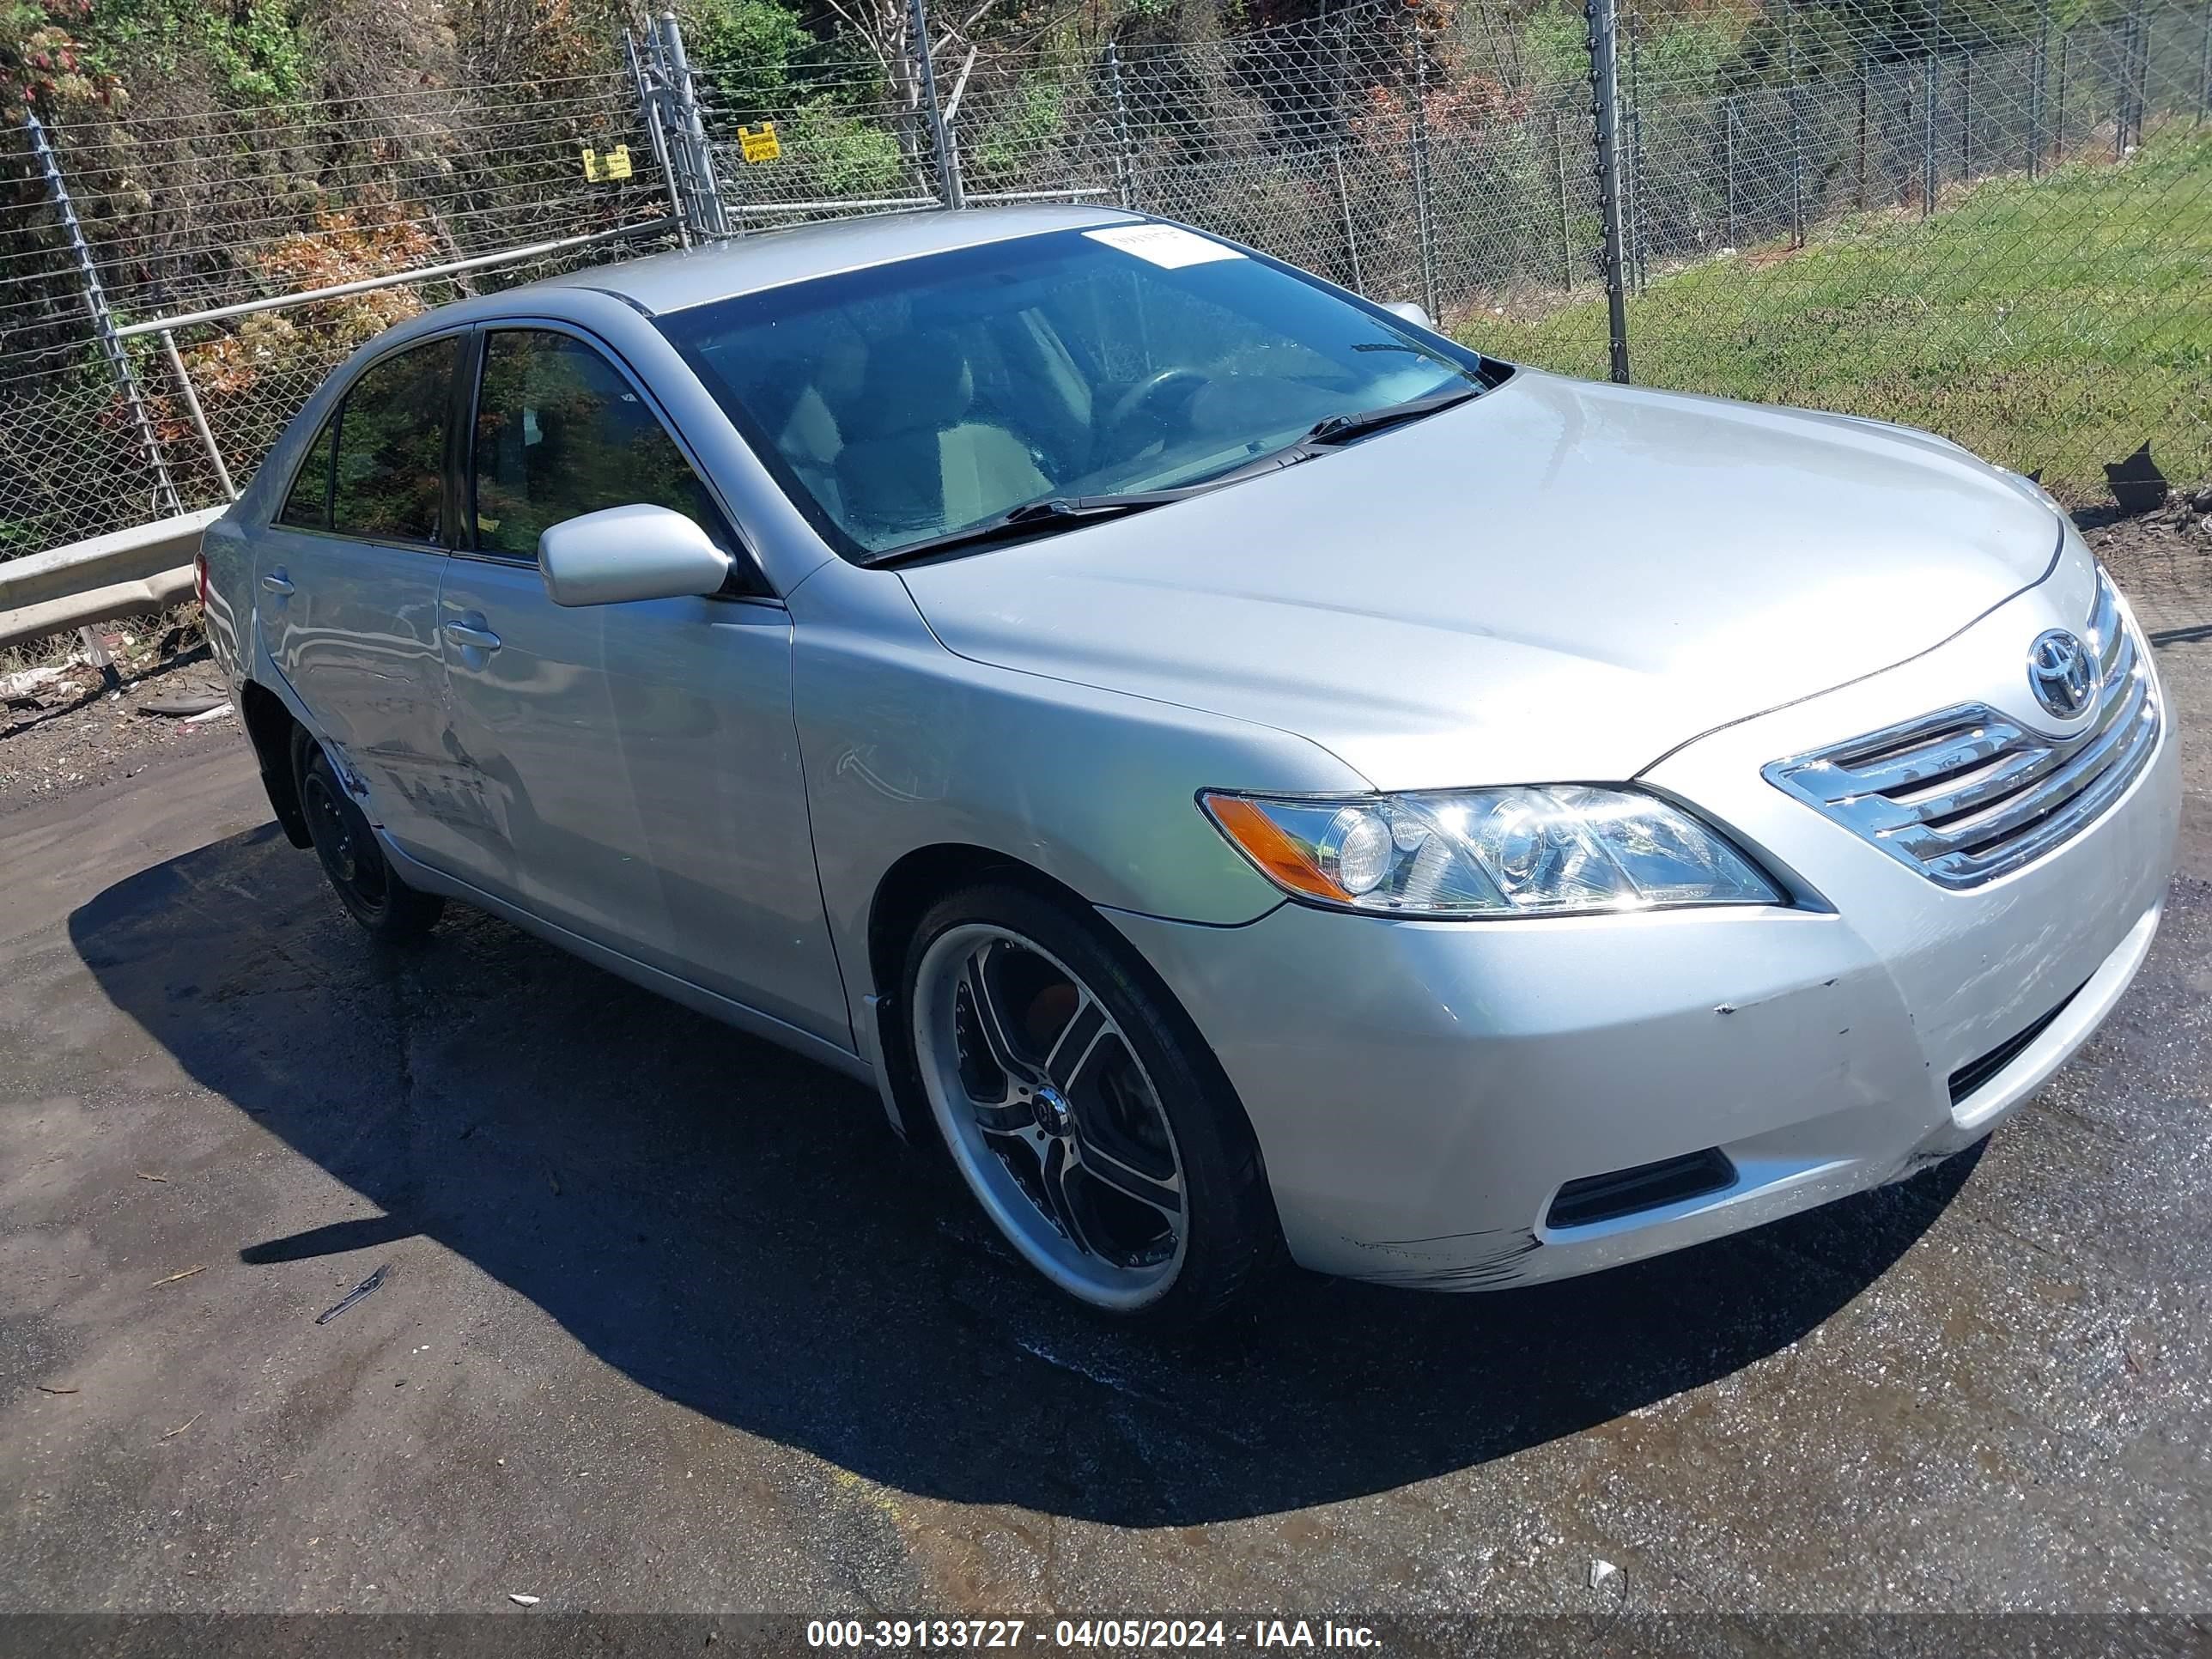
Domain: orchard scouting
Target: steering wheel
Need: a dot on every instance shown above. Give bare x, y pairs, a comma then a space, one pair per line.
1148, 391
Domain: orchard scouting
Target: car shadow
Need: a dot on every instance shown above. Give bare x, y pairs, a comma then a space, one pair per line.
733, 1228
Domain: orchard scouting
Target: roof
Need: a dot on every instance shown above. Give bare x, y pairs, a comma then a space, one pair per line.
670, 282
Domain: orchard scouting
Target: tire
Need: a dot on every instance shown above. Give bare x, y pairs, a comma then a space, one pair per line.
392, 912
1065, 1082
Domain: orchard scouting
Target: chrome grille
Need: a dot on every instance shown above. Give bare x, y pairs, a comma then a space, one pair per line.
1967, 794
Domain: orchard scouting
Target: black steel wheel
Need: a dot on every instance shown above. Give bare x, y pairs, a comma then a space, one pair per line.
364, 879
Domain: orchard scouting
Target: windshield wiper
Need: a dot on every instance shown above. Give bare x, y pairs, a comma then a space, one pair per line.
1041, 518
1062, 512
1036, 518
1342, 428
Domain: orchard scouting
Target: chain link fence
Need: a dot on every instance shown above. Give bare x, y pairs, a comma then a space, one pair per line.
1998, 229
136, 249
1392, 159
1995, 222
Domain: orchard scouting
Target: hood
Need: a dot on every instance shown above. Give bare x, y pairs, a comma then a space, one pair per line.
1559, 580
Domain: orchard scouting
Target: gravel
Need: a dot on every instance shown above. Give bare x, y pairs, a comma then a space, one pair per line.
73, 732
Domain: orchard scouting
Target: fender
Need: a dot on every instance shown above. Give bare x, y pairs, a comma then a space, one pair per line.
907, 746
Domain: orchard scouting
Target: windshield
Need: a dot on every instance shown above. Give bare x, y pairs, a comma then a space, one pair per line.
905, 402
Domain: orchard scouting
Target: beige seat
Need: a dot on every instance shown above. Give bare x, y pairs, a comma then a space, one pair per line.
985, 470
911, 463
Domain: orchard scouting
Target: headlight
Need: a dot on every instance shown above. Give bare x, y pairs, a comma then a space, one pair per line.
1558, 850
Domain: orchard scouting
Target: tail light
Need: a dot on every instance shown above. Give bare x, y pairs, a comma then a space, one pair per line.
200, 578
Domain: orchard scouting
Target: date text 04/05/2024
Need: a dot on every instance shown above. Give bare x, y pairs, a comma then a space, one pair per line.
1162, 1634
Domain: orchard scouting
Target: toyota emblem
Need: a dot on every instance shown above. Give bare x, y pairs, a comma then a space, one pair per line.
2062, 672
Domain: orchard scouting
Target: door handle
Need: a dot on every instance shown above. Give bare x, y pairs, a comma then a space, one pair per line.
472, 633
276, 581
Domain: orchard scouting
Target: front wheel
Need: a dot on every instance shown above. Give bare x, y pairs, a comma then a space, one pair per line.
366, 884
1082, 1110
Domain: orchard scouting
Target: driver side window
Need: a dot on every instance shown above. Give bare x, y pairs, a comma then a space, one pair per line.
560, 432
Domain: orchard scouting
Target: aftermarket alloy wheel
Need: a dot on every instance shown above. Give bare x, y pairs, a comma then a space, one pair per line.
358, 871
1109, 1152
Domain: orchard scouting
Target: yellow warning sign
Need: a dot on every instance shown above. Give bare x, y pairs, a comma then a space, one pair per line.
758, 144
615, 164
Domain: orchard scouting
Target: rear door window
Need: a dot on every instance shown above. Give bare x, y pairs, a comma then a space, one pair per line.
308, 505
389, 482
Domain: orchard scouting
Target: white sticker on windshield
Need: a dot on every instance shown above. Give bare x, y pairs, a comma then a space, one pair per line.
1169, 246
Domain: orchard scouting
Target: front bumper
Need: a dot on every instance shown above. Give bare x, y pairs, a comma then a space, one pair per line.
1422, 1090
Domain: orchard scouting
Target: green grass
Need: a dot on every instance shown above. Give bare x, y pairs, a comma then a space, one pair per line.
2055, 324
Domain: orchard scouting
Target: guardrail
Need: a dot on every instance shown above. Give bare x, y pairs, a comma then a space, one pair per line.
124, 573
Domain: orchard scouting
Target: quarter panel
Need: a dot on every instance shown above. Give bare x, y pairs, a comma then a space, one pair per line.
356, 638
227, 547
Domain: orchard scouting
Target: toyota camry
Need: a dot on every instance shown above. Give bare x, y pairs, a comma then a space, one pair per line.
1243, 774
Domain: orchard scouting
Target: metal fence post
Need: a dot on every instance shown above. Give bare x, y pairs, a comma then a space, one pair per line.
651, 108
1339, 126
1632, 179
1605, 111
192, 397
940, 136
1728, 164
2039, 60
1566, 232
1124, 148
1932, 81
1423, 207
2122, 77
2138, 70
103, 322
2204, 68
1351, 236
2058, 127
709, 217
1967, 113
1796, 131
674, 133
1866, 75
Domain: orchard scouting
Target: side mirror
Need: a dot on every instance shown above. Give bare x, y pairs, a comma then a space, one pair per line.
1412, 313
626, 553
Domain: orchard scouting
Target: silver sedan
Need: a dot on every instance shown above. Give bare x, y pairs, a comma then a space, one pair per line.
1243, 774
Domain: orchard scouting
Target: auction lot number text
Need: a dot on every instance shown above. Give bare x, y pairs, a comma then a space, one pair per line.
1115, 1634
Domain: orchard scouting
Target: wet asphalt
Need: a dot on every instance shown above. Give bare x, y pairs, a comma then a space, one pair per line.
669, 1323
